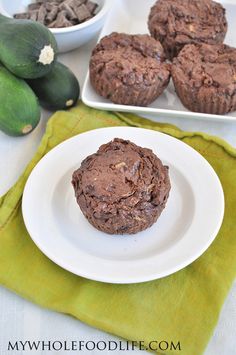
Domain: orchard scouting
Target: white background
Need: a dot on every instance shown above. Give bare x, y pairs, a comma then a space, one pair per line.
19, 319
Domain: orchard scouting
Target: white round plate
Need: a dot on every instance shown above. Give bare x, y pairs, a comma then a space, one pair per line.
186, 228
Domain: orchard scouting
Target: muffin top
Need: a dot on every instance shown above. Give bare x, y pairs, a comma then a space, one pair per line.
133, 60
122, 172
207, 66
138, 45
187, 21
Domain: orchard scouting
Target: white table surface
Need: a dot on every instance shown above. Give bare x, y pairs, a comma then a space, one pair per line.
22, 320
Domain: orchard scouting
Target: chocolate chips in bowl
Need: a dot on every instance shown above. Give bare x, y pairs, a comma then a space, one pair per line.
59, 13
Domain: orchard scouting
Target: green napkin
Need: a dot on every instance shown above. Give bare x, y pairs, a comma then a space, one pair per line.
183, 307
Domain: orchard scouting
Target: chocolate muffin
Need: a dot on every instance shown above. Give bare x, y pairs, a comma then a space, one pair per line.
121, 189
129, 69
178, 22
205, 78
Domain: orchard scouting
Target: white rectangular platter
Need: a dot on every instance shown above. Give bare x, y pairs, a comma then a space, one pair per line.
130, 16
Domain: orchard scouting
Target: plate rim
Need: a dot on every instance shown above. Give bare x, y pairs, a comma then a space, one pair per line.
154, 275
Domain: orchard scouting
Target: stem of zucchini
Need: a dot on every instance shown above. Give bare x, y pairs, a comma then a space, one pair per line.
69, 102
46, 55
27, 129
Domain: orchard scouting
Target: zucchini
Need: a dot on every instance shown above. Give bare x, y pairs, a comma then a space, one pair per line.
19, 109
27, 48
58, 90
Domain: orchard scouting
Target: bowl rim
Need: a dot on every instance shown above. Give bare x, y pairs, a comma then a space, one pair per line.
105, 7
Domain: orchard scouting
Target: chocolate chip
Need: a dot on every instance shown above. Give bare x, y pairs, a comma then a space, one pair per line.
82, 13
69, 12
33, 15
42, 13
51, 16
33, 7
22, 16
91, 6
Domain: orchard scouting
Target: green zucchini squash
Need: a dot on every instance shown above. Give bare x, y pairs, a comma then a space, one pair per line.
19, 108
27, 48
58, 90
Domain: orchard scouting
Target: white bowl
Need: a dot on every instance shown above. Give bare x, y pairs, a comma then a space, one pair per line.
67, 38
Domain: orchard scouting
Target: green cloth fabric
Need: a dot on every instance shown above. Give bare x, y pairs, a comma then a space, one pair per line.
183, 307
